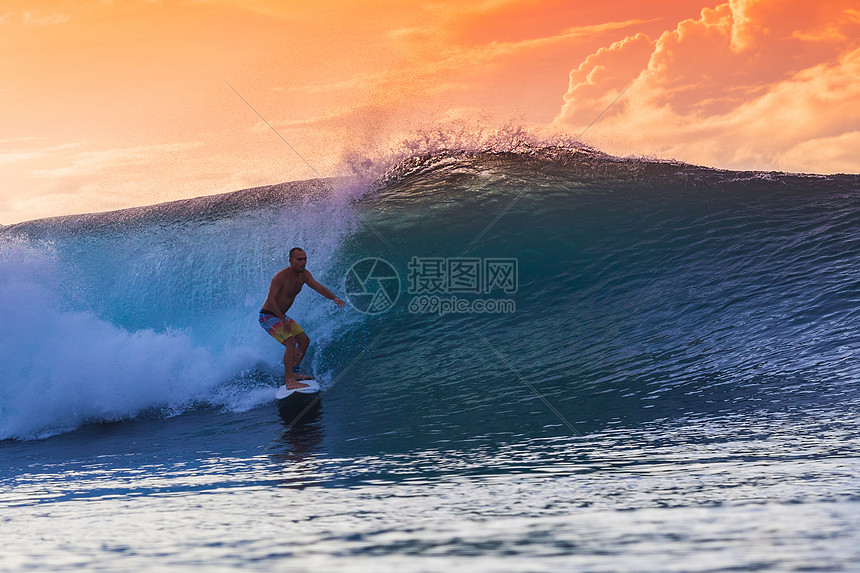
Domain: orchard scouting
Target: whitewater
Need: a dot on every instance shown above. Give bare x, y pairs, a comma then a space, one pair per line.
668, 378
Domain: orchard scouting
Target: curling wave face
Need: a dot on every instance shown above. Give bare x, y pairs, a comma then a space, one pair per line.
645, 289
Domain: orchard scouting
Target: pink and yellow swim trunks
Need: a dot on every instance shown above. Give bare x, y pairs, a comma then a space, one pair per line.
279, 329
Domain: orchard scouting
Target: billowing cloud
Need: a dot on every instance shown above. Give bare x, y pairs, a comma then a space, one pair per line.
602, 76
94, 93
748, 84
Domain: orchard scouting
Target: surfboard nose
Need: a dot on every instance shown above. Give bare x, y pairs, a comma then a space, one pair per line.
299, 404
300, 408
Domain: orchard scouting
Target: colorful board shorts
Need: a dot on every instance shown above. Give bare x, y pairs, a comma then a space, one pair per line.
280, 330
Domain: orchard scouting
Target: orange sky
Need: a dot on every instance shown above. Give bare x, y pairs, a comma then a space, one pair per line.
108, 104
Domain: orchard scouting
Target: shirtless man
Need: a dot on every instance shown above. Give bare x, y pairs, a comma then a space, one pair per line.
282, 292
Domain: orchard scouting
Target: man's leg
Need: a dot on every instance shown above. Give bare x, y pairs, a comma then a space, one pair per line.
289, 358
302, 342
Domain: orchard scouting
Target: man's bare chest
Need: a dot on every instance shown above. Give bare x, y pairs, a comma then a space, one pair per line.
290, 288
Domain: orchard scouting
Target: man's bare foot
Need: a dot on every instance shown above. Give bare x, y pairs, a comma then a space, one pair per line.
303, 377
294, 385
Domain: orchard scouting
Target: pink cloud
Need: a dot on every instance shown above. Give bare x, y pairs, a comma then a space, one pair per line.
745, 85
602, 76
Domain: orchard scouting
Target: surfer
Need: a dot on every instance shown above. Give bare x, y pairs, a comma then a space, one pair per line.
286, 284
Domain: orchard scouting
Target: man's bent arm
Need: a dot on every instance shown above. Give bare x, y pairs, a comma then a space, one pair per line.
312, 282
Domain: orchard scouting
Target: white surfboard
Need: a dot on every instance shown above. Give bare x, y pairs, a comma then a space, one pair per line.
312, 387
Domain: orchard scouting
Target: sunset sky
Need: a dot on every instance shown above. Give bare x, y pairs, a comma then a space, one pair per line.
110, 104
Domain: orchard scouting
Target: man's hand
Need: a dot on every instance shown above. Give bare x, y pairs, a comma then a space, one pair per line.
339, 302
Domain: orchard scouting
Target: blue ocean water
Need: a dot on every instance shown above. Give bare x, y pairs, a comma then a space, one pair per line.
675, 387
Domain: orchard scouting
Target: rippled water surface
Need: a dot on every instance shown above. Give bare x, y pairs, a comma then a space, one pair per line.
764, 490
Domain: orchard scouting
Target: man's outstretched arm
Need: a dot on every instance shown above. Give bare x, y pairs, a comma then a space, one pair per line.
314, 284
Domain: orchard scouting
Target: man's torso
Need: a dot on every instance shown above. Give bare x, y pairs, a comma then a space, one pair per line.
288, 284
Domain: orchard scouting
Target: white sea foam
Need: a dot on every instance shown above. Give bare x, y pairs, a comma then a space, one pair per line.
61, 368
151, 317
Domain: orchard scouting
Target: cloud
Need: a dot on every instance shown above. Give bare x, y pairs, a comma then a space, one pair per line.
91, 162
602, 76
385, 105
750, 83
839, 152
815, 107
452, 58
24, 155
70, 180
34, 18
39, 19
17, 140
